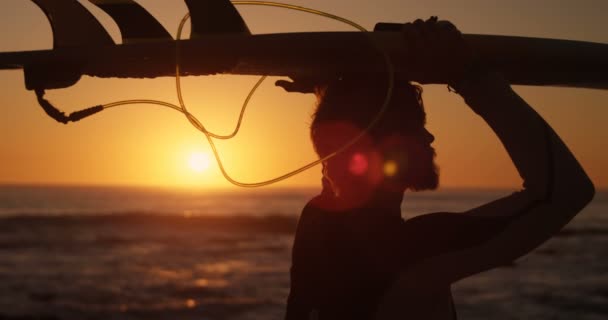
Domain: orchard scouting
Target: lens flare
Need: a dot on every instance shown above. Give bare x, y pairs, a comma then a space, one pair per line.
390, 168
358, 164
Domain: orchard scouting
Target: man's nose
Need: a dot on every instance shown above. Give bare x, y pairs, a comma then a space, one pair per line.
429, 136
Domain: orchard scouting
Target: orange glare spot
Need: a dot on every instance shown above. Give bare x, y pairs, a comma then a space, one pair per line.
190, 303
201, 282
390, 168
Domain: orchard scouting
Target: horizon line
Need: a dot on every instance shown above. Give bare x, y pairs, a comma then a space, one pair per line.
233, 188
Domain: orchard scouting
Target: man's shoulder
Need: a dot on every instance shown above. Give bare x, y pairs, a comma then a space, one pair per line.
319, 205
431, 217
313, 211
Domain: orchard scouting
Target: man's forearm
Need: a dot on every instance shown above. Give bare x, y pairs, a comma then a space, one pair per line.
556, 187
543, 161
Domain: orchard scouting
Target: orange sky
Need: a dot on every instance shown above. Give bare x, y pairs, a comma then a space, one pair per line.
148, 145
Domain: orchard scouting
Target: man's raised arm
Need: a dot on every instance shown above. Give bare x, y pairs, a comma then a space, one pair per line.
555, 186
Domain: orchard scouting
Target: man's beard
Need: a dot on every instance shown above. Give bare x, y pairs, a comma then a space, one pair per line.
424, 175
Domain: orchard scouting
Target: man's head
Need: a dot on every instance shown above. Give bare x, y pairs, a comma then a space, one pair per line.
392, 156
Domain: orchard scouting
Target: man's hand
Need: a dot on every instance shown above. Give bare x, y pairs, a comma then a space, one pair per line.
439, 45
300, 84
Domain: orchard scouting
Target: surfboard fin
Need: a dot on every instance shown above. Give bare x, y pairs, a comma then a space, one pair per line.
135, 23
73, 24
215, 16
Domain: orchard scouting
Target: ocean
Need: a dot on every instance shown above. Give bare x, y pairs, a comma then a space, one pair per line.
144, 253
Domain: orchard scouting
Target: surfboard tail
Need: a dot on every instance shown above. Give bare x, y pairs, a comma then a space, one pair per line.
74, 28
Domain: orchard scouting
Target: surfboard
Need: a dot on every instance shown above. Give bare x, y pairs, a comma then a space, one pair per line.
225, 46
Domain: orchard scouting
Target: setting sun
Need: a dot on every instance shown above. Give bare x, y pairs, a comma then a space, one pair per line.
199, 161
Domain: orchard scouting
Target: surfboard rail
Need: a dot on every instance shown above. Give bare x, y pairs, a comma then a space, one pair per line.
222, 44
526, 61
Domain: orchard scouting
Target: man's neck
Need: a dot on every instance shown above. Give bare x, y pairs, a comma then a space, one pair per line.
388, 201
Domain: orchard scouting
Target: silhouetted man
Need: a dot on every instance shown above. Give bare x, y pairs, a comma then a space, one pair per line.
354, 257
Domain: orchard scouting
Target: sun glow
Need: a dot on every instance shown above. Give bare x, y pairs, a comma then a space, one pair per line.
199, 161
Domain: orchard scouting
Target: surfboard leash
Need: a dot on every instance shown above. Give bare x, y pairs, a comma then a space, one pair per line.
60, 116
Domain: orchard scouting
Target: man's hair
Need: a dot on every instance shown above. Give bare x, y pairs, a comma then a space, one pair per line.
358, 102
